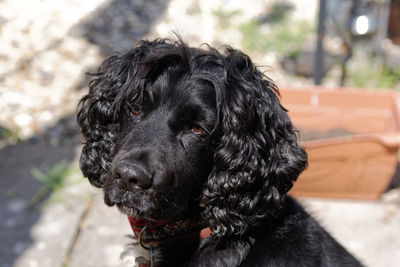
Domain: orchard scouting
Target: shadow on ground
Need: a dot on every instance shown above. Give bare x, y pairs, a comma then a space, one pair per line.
116, 26
18, 188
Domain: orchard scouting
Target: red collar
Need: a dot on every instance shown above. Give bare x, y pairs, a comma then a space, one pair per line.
148, 232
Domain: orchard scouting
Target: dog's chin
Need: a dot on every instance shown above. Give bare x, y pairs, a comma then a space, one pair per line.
133, 212
149, 215
138, 213
140, 205
137, 210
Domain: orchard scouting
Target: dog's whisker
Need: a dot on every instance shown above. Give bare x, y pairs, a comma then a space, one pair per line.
173, 204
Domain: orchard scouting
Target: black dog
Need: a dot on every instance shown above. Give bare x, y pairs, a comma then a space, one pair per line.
183, 139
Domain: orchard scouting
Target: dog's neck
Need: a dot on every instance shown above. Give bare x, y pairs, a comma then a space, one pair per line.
154, 236
149, 232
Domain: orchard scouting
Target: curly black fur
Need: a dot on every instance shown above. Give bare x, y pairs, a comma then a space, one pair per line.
174, 131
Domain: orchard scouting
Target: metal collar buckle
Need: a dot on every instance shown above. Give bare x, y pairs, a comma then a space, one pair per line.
147, 247
140, 238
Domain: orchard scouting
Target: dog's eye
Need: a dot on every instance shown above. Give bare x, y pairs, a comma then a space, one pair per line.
197, 130
135, 110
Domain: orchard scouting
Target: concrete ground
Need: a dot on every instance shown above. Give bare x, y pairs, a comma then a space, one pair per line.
370, 230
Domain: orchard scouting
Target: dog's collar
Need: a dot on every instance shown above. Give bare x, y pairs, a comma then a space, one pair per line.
150, 234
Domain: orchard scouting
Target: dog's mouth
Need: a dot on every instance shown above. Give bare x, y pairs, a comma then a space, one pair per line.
132, 203
142, 204
132, 212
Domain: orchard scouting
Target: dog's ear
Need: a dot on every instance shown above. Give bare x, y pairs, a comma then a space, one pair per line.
258, 157
119, 78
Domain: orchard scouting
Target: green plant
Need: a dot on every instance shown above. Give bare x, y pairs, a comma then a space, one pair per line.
388, 78
224, 17
278, 13
10, 134
282, 38
53, 179
372, 76
252, 37
5, 133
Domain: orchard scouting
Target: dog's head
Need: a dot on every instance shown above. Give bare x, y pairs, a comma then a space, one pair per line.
171, 130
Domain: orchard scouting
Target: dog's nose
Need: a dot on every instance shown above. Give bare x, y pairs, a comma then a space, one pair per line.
132, 175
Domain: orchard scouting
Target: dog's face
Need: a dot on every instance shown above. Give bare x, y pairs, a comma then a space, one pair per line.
163, 151
174, 131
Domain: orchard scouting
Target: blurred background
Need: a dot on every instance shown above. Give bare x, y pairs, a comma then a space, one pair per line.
50, 216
